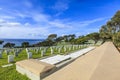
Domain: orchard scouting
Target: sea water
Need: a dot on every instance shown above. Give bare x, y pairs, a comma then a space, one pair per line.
18, 42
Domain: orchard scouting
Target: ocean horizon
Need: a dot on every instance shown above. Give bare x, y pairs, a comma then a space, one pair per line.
18, 42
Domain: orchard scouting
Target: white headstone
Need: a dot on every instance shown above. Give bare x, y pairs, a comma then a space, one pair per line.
70, 48
52, 51
15, 53
7, 52
59, 50
73, 47
37, 50
64, 49
42, 53
0, 55
29, 55
10, 58
45, 50
26, 50
79, 46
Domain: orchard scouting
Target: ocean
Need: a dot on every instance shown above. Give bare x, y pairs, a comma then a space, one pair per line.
18, 42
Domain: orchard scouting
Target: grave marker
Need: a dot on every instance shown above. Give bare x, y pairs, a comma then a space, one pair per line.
29, 55
10, 58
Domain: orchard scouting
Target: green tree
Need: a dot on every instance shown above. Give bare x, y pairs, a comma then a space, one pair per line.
105, 33
52, 37
112, 26
9, 45
94, 36
81, 40
59, 39
116, 21
25, 44
116, 39
1, 41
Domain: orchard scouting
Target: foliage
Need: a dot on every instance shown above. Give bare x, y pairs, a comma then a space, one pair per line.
69, 38
54, 40
1, 41
81, 40
116, 39
45, 43
94, 36
9, 45
52, 37
111, 30
25, 44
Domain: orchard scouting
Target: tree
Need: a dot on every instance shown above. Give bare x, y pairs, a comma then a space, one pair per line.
71, 37
66, 38
59, 39
45, 43
9, 45
116, 21
25, 44
81, 40
94, 36
1, 41
111, 27
116, 39
52, 37
105, 33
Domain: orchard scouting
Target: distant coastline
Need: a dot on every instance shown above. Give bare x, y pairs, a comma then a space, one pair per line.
18, 42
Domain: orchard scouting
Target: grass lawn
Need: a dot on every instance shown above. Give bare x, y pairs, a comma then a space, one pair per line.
10, 73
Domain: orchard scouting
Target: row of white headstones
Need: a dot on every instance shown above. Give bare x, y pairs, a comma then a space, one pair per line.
43, 50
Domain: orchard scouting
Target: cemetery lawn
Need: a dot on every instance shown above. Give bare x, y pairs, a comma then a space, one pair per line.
10, 73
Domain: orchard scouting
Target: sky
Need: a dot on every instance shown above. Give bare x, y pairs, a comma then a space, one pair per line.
36, 19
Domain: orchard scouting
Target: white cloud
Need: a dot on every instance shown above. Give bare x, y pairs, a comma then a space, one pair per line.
4, 23
60, 6
28, 4
38, 17
0, 8
18, 30
6, 17
23, 32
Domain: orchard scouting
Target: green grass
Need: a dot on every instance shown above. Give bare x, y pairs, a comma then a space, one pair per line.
10, 73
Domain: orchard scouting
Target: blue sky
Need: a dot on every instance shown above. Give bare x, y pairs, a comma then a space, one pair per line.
33, 19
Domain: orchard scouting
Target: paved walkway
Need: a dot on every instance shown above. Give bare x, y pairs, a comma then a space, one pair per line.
103, 63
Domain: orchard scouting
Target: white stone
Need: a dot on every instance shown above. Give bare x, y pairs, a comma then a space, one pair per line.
45, 50
64, 49
69, 48
7, 65
0, 55
29, 55
81, 52
73, 47
15, 53
52, 51
7, 52
26, 50
10, 58
55, 59
59, 50
42, 53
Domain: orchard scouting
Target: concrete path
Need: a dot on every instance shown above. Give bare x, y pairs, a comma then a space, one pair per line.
103, 63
